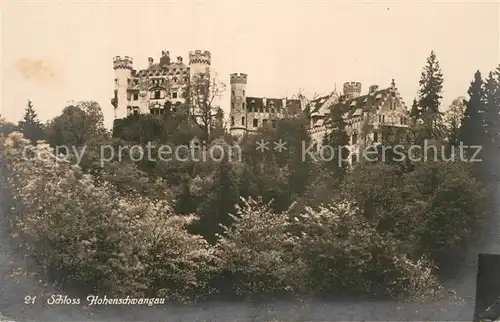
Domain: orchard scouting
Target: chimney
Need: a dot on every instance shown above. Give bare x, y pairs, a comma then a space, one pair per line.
150, 61
264, 101
179, 59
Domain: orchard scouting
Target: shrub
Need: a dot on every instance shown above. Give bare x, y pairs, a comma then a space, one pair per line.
90, 237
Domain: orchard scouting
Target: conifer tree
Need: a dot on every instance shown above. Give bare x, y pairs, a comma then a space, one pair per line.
429, 95
491, 108
30, 125
337, 139
472, 129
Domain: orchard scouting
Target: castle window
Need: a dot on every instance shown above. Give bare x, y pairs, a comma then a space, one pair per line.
393, 94
273, 123
175, 79
233, 93
255, 122
136, 96
243, 105
354, 138
243, 121
186, 79
157, 95
232, 120
128, 96
375, 136
116, 81
383, 118
243, 92
264, 122
174, 94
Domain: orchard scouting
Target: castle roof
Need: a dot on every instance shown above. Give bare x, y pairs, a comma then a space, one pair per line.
268, 103
321, 105
355, 106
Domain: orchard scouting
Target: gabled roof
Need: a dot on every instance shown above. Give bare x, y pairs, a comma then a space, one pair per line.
369, 102
321, 105
270, 103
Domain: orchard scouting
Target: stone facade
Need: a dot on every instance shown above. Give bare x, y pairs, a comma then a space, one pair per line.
147, 90
249, 113
365, 115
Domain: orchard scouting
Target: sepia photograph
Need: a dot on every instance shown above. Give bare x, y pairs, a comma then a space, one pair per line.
257, 160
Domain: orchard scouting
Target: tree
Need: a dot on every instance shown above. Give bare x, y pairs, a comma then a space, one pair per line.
491, 108
453, 120
201, 95
77, 124
31, 127
337, 140
472, 129
429, 95
6, 127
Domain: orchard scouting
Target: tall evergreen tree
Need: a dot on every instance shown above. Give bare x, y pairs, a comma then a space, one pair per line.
491, 108
30, 125
337, 139
472, 129
429, 95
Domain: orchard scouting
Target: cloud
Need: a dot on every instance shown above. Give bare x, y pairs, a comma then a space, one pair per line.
38, 71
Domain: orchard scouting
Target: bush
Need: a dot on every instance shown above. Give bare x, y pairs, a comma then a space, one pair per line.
256, 253
90, 237
432, 210
346, 255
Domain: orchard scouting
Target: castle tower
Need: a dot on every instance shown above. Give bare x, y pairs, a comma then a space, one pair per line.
123, 72
352, 89
199, 62
238, 110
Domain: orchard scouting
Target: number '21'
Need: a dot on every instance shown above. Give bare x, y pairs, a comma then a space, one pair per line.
29, 299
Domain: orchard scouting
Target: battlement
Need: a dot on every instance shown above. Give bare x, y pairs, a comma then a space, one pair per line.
352, 89
239, 78
124, 62
200, 57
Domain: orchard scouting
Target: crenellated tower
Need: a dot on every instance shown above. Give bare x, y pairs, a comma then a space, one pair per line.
238, 112
123, 72
352, 89
199, 62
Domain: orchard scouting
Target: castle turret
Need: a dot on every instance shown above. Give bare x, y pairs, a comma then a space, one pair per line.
352, 89
238, 112
123, 72
199, 62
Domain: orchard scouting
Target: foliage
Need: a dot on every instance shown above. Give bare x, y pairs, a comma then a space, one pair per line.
6, 127
77, 124
453, 120
429, 95
256, 253
91, 237
30, 125
431, 209
472, 129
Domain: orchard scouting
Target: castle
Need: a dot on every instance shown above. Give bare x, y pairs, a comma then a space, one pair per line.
365, 115
147, 90
166, 82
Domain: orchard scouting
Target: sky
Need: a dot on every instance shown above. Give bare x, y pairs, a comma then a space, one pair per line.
54, 52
